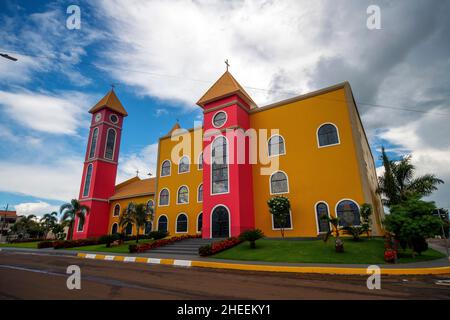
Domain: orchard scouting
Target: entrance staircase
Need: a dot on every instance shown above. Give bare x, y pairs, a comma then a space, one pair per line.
188, 247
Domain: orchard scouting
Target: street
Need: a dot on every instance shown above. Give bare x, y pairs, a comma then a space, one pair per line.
43, 276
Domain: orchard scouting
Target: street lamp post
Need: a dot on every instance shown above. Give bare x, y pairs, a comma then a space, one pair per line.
7, 56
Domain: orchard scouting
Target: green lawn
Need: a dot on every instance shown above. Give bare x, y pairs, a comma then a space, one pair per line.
368, 251
32, 245
117, 249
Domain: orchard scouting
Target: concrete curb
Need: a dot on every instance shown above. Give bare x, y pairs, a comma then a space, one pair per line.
267, 268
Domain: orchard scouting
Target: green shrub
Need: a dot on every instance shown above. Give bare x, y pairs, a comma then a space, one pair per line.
251, 236
205, 250
108, 239
156, 235
45, 244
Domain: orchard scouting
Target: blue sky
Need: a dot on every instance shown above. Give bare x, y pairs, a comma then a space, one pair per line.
162, 56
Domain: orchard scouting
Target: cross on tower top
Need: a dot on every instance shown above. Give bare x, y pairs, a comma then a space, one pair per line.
137, 173
227, 63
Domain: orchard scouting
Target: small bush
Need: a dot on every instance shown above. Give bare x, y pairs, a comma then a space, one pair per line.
205, 250
251, 236
45, 244
419, 245
108, 239
156, 235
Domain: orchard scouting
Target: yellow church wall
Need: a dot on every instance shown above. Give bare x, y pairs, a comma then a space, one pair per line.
315, 174
123, 205
175, 180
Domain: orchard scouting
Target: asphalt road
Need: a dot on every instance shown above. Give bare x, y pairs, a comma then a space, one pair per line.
40, 276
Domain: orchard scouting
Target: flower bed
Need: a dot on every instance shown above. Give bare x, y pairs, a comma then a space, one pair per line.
217, 247
139, 248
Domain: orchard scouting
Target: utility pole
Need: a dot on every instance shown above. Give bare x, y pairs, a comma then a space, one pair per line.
443, 233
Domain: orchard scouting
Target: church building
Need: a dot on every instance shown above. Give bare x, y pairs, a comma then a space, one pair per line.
311, 149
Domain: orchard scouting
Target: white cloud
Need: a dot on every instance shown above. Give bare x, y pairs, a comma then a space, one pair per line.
45, 112
184, 55
144, 161
58, 180
36, 208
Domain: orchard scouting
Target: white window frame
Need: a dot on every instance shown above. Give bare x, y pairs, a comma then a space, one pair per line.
268, 146
170, 168
159, 198
112, 226
348, 199
78, 224
317, 220
189, 165
178, 194
278, 229
187, 223
114, 145
157, 222
224, 123
211, 167
198, 192
85, 180
114, 210
92, 142
270, 183
328, 145
200, 156
210, 219
196, 222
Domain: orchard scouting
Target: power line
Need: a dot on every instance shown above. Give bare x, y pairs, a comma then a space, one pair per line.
291, 93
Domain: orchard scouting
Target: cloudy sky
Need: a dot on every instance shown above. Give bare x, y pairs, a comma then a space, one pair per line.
162, 55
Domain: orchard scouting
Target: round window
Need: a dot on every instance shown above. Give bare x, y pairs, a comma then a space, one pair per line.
219, 119
113, 118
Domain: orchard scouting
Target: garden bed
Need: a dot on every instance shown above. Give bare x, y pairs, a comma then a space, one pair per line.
367, 251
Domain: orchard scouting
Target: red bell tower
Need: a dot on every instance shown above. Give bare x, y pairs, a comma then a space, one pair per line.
100, 166
227, 181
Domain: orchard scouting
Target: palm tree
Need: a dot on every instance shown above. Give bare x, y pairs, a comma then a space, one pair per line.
70, 211
24, 225
137, 214
48, 220
398, 183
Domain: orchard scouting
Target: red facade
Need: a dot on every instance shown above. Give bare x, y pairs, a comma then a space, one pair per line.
238, 201
100, 170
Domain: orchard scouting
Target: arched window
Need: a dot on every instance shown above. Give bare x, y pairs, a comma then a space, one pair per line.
162, 223
129, 229
323, 225
200, 193
165, 168
348, 213
200, 161
150, 205
110, 144
183, 195
327, 135
87, 180
279, 183
114, 228
148, 227
199, 222
116, 212
93, 143
276, 146
164, 197
219, 166
80, 225
183, 165
182, 223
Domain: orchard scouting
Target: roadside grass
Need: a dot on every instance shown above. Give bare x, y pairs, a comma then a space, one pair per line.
117, 249
31, 245
367, 251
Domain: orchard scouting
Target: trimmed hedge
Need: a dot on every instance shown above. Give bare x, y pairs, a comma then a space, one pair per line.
217, 247
139, 248
105, 239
